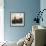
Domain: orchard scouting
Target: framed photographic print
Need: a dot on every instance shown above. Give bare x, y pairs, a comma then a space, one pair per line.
17, 19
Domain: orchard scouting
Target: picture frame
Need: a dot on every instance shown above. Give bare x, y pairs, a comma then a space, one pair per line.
17, 19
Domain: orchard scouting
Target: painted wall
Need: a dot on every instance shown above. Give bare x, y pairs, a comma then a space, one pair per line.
29, 7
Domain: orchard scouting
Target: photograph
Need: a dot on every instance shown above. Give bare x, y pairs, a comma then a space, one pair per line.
17, 19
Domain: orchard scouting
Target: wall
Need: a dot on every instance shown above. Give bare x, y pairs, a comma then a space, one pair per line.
29, 7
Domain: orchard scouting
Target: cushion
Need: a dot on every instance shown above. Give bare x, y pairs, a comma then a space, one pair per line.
20, 42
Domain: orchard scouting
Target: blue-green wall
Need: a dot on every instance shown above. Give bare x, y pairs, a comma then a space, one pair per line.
29, 7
